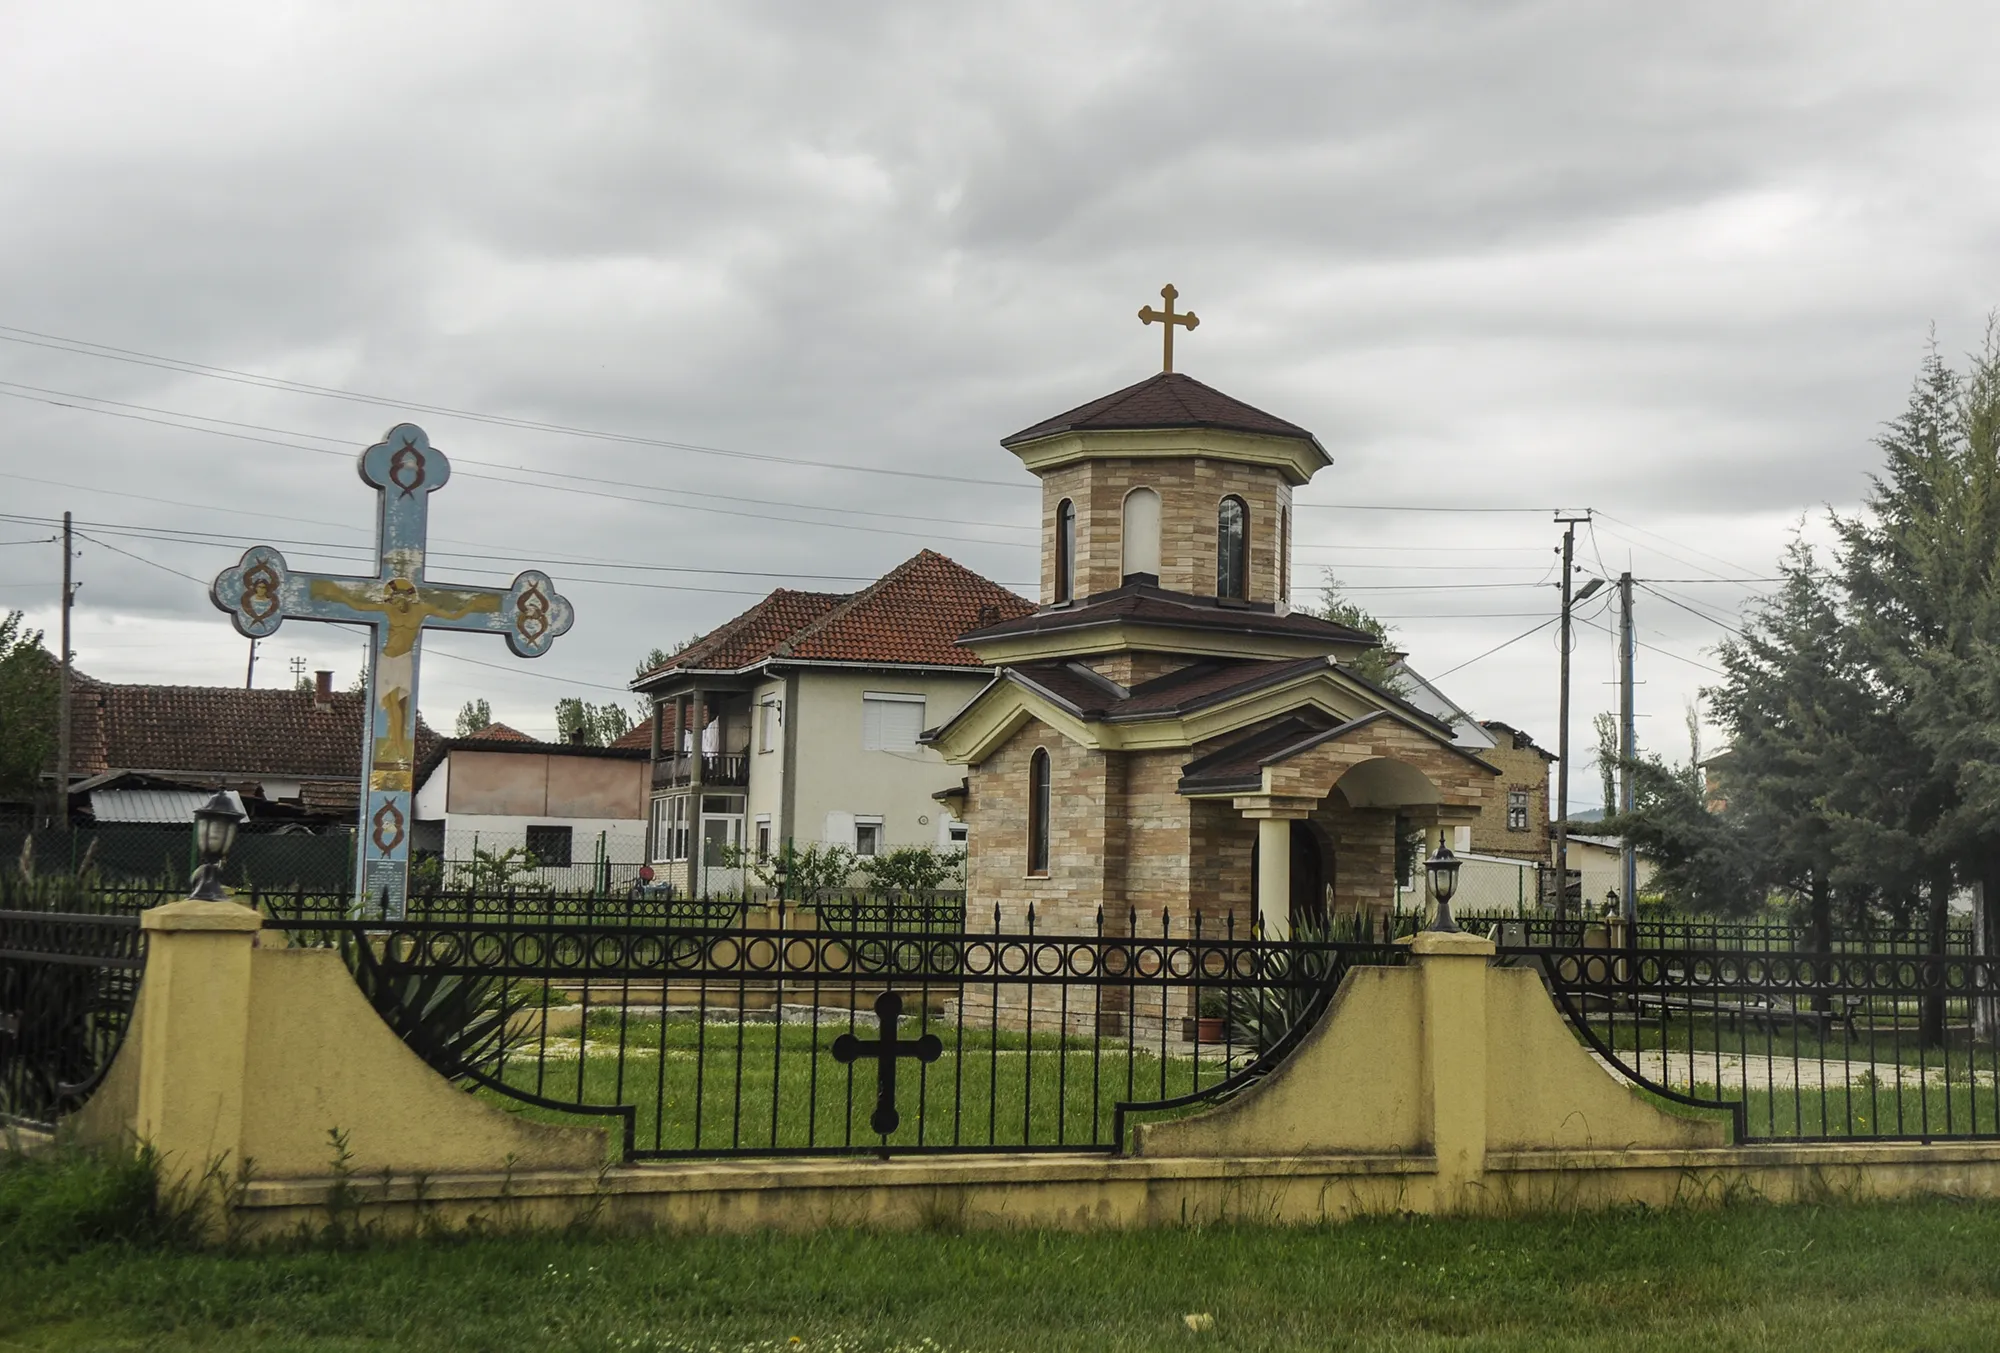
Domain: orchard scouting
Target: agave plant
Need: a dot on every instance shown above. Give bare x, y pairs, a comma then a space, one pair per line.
1296, 976
461, 1025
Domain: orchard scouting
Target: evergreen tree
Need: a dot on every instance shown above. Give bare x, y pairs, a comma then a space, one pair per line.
1376, 664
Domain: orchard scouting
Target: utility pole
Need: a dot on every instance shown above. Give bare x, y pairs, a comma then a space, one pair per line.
62, 688
1562, 718
1628, 740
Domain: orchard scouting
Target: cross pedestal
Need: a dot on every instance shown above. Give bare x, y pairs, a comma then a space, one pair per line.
396, 605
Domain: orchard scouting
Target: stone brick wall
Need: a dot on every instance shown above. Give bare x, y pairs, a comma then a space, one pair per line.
1086, 852
1521, 768
1191, 490
1133, 669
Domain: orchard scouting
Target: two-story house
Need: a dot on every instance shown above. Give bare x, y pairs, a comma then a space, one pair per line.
801, 720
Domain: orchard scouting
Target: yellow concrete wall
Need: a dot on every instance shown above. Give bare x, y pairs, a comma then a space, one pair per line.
246, 1053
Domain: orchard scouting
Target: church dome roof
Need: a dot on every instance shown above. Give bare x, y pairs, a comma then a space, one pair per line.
1168, 400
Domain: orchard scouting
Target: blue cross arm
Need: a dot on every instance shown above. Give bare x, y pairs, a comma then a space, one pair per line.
260, 592
531, 613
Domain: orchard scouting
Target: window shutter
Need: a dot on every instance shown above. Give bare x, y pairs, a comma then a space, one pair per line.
891, 723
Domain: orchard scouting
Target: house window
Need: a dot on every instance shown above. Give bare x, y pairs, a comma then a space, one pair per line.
867, 837
1065, 551
1038, 812
1517, 810
1141, 542
763, 838
1232, 550
549, 845
670, 828
770, 718
958, 833
891, 722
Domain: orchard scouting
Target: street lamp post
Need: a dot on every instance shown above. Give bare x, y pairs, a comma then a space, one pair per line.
215, 824
1443, 871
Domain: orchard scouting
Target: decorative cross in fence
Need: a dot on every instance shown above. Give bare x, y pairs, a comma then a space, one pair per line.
886, 1050
396, 604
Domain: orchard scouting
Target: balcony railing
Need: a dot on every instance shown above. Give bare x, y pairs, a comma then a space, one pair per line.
715, 770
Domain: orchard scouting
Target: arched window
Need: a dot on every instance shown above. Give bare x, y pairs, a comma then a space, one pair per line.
1065, 551
1232, 550
1284, 555
1142, 533
1038, 812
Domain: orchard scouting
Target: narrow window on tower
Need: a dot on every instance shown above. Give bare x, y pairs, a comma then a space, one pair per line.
1141, 545
1065, 551
1038, 812
1284, 555
1232, 550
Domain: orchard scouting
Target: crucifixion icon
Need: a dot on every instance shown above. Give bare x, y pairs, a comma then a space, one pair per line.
886, 1050
1187, 320
397, 604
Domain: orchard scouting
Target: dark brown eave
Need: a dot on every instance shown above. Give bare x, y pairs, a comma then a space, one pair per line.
1239, 767
1169, 400
1150, 604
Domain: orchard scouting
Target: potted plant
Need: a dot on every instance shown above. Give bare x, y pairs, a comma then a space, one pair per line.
1211, 1022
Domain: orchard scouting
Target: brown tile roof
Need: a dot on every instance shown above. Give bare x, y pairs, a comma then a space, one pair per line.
640, 735
1147, 603
499, 732
911, 615
1168, 400
219, 730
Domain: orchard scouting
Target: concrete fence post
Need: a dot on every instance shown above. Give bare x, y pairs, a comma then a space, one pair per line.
194, 1032
1452, 969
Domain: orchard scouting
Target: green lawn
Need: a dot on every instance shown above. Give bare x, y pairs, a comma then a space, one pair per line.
1904, 1277
986, 1088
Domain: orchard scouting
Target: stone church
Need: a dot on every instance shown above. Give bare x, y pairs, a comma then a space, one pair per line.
1165, 731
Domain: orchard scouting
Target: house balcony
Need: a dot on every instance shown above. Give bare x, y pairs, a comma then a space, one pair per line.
671, 772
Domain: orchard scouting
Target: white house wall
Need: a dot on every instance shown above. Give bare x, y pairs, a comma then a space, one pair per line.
624, 838
840, 780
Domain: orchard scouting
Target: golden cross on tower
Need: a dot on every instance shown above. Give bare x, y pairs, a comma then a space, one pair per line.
1148, 315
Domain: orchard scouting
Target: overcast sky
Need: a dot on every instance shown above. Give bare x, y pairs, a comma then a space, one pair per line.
1672, 263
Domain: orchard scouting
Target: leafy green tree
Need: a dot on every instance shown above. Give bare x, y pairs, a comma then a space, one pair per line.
1608, 756
473, 716
28, 708
593, 725
1377, 664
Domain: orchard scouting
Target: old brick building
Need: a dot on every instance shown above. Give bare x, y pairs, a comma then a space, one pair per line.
1164, 731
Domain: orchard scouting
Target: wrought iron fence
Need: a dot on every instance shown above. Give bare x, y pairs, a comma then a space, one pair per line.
702, 1041
1796, 1047
1701, 933
927, 911
68, 984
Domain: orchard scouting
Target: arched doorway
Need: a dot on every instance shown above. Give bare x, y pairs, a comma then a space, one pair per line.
1312, 871
1312, 876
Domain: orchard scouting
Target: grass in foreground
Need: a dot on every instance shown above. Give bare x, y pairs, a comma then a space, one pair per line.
1910, 1276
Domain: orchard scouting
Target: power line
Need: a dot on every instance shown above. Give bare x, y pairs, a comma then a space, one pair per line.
1497, 647
1699, 615
85, 348
518, 483
153, 563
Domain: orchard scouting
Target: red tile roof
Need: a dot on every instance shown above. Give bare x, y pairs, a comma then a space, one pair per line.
223, 730
640, 735
912, 615
1168, 400
499, 732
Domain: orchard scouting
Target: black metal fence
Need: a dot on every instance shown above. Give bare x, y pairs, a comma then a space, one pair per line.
731, 1040
1796, 1047
68, 984
1535, 929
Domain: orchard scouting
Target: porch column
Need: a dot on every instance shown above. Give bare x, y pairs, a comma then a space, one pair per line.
698, 709
1274, 877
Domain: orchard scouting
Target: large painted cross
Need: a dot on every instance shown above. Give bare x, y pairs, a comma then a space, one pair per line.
396, 604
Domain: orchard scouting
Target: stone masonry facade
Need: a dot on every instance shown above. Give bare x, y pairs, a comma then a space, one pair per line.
1191, 492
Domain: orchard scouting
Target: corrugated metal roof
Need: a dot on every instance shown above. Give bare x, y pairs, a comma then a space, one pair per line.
153, 805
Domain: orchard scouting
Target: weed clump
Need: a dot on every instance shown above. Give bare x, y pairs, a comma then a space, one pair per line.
61, 1202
